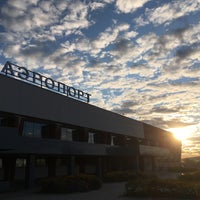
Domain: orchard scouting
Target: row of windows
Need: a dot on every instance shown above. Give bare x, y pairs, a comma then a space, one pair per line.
21, 162
32, 129
45, 130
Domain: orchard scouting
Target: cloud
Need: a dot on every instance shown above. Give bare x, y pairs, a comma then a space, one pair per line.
165, 124
122, 47
173, 10
23, 16
108, 37
31, 28
125, 108
96, 5
27, 16
130, 34
165, 110
185, 52
130, 5
185, 81
140, 21
179, 32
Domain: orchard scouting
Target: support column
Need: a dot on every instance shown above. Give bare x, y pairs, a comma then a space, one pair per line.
9, 165
72, 165
153, 164
99, 171
141, 163
30, 171
51, 167
137, 164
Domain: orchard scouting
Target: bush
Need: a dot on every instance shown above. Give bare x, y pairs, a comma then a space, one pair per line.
181, 169
70, 184
190, 176
117, 176
93, 181
162, 188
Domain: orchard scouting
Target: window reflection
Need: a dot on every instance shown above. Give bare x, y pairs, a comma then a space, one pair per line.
66, 134
112, 140
20, 162
32, 129
91, 137
1, 121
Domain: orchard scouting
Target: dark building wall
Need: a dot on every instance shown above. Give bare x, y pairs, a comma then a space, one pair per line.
11, 143
161, 142
160, 137
24, 99
133, 140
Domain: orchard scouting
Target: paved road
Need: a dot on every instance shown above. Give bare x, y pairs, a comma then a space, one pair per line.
109, 191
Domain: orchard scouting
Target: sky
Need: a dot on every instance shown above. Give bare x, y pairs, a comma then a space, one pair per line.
138, 58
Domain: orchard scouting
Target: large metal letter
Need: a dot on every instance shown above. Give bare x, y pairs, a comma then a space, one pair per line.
37, 77
80, 94
49, 83
7, 69
88, 97
59, 88
24, 74
72, 91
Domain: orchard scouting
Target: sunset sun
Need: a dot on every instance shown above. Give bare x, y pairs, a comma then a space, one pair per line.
180, 133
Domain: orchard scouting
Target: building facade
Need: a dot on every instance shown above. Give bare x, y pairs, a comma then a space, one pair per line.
43, 133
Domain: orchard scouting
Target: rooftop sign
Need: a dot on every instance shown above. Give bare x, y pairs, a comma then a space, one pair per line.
35, 78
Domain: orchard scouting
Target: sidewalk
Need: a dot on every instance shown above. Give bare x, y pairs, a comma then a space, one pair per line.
109, 191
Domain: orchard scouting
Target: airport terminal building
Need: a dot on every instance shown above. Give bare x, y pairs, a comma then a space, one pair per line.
48, 128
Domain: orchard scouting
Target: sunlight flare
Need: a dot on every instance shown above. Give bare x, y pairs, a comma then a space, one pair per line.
181, 133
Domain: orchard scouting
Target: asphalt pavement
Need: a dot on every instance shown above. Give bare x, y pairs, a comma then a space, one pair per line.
109, 191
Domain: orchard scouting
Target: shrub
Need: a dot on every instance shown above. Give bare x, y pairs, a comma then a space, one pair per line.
181, 169
117, 176
69, 184
190, 176
162, 188
93, 181
145, 175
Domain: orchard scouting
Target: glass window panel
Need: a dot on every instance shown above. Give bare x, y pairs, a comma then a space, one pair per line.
40, 162
20, 162
28, 129
37, 129
32, 129
91, 137
112, 140
1, 121
66, 134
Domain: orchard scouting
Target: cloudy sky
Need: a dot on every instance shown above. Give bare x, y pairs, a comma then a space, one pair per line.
139, 58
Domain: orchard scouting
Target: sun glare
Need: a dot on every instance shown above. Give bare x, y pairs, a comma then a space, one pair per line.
180, 133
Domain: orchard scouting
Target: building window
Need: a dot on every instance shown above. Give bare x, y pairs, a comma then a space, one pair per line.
1, 121
32, 129
91, 137
40, 162
20, 162
112, 140
66, 134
